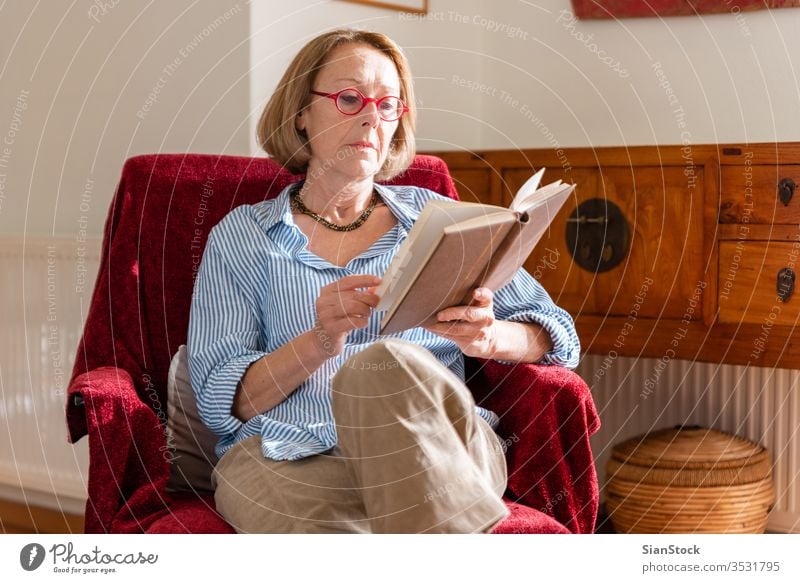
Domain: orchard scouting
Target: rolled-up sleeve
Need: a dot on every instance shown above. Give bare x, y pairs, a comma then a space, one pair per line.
524, 299
223, 340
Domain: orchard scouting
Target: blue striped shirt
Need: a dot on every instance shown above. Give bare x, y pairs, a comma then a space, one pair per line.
256, 290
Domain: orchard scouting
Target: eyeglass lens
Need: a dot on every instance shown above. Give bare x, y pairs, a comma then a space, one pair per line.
351, 102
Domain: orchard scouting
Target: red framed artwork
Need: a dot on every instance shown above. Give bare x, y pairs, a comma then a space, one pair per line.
636, 8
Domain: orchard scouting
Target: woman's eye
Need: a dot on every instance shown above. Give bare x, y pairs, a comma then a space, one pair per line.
349, 99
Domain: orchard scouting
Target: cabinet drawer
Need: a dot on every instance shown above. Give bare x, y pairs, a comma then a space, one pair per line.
748, 283
750, 195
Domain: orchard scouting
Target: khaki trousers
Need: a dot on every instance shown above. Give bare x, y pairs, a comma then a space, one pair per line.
412, 456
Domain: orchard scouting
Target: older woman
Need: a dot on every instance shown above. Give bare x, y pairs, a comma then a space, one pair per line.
323, 425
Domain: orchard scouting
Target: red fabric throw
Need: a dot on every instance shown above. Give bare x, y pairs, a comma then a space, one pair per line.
159, 220
546, 417
632, 8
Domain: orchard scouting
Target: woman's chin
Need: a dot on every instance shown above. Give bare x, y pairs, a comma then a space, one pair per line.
360, 169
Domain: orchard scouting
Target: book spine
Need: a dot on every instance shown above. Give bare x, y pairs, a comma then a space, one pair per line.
510, 255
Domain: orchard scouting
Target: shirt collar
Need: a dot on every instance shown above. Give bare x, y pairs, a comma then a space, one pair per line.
280, 210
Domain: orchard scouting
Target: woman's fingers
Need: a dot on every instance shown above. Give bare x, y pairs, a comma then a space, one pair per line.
465, 314
356, 304
341, 324
342, 307
353, 282
467, 324
344, 292
482, 309
361, 301
461, 330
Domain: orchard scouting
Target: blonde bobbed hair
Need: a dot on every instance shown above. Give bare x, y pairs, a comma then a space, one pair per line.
276, 131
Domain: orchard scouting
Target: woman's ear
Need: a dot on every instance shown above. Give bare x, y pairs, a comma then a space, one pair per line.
299, 122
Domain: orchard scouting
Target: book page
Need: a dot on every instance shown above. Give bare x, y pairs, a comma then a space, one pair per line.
528, 200
485, 220
530, 186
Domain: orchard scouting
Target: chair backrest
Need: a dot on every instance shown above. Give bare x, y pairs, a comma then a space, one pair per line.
155, 233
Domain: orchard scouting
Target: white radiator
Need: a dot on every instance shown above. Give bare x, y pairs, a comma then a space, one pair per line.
634, 396
45, 291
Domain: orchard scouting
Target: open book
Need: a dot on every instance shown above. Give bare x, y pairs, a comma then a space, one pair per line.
455, 247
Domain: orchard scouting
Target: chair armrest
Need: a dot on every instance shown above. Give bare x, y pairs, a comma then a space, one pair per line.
547, 415
128, 468
105, 387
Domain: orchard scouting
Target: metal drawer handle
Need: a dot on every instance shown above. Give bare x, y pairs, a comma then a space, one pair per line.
786, 188
583, 219
785, 284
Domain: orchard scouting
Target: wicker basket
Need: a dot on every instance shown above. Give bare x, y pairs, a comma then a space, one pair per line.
689, 480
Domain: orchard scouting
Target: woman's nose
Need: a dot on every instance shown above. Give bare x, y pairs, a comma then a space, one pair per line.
370, 114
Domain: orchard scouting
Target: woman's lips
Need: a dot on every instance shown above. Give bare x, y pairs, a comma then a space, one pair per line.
362, 146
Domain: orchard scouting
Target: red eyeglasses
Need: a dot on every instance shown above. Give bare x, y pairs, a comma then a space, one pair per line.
351, 101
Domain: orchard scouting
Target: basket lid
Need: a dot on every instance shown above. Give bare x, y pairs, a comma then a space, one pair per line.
696, 453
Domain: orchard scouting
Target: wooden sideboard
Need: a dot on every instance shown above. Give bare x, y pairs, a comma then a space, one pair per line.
711, 246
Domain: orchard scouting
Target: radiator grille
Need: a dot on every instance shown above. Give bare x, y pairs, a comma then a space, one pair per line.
634, 396
45, 291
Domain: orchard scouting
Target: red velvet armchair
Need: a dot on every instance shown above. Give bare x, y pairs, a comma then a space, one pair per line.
158, 223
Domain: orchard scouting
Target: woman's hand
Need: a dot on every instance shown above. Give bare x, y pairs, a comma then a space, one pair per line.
341, 307
476, 332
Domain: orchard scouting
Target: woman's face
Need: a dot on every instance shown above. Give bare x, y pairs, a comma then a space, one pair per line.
353, 145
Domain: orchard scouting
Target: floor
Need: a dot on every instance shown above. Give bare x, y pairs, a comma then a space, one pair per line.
16, 518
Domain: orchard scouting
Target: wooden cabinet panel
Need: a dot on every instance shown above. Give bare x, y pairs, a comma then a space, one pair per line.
708, 235
474, 185
665, 217
748, 278
663, 265
750, 195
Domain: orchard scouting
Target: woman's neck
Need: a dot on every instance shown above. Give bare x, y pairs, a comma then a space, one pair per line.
340, 203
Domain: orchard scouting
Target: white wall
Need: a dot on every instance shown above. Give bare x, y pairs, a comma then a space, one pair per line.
75, 99
518, 74
75, 81
734, 76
